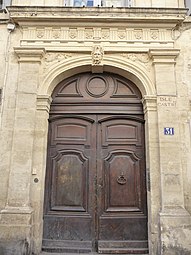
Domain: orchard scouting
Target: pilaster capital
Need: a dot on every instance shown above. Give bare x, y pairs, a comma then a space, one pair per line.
149, 103
164, 56
43, 103
30, 55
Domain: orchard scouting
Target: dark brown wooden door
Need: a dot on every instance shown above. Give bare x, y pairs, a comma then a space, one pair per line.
95, 194
122, 212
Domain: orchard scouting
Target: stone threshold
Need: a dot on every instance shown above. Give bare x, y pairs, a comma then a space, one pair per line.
92, 253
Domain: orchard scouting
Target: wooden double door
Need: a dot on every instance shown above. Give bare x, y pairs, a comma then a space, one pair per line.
95, 193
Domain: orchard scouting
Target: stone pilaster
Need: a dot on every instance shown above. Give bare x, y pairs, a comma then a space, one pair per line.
174, 219
153, 171
39, 167
17, 217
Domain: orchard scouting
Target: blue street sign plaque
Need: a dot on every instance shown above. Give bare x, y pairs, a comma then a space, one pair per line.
168, 131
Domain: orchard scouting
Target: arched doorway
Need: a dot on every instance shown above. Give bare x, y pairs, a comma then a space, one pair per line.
95, 191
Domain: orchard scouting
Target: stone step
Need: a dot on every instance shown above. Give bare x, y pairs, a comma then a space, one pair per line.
93, 253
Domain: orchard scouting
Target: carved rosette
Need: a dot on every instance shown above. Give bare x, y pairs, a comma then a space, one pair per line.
138, 34
154, 34
89, 33
122, 34
105, 34
56, 34
40, 33
73, 33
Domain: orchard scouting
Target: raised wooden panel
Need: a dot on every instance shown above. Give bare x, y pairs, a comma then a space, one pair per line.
70, 131
123, 235
122, 90
123, 228
97, 86
126, 132
67, 234
121, 131
122, 182
70, 89
69, 187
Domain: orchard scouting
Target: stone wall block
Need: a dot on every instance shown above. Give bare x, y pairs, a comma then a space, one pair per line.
28, 81
176, 234
17, 241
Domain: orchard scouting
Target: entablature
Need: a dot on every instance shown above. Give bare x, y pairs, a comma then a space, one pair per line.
111, 27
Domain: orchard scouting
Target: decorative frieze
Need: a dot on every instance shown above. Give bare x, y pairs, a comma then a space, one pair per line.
142, 58
52, 58
56, 57
117, 35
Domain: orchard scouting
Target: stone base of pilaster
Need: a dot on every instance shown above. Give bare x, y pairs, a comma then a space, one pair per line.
175, 226
16, 231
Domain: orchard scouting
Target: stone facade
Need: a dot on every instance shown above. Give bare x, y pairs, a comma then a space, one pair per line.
151, 47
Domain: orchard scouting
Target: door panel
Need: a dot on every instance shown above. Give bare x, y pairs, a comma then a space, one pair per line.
122, 209
122, 182
69, 187
69, 218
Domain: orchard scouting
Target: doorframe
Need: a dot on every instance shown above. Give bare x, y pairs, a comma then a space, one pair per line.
146, 86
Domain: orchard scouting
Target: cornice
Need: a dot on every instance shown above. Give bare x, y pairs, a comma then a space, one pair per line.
95, 15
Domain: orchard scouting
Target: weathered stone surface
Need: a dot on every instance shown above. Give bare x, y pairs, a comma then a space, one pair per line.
20, 247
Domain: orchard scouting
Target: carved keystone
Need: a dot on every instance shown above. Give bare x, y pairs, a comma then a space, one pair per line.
97, 58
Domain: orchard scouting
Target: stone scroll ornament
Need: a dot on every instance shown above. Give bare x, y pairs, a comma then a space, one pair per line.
97, 55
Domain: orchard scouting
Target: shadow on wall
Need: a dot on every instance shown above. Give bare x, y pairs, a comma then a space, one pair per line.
14, 247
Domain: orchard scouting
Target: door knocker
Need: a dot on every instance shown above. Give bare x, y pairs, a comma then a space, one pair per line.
121, 179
